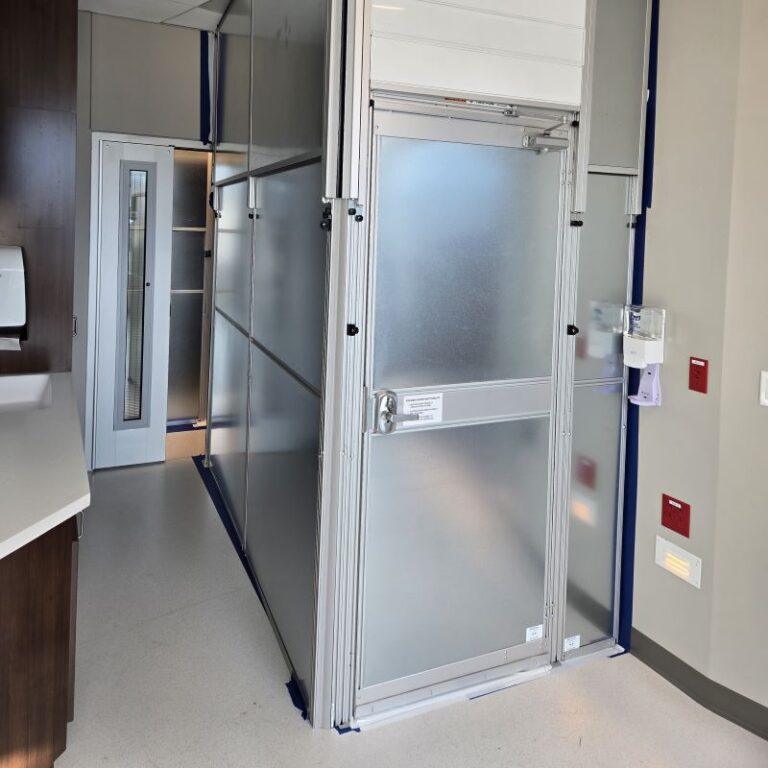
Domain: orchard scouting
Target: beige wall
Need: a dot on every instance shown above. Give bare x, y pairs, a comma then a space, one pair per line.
704, 263
145, 78
133, 78
739, 643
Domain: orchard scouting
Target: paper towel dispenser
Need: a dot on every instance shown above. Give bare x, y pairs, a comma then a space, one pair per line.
13, 294
13, 299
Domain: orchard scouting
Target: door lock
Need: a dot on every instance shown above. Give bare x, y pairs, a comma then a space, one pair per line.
387, 417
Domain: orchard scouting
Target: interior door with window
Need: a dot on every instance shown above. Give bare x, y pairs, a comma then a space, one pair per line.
133, 305
457, 499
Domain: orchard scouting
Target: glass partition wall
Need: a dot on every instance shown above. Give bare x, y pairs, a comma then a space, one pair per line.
474, 433
270, 303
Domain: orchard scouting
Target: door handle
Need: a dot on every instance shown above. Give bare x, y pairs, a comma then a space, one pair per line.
387, 417
399, 418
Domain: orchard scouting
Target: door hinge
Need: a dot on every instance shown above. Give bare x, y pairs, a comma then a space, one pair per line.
74, 326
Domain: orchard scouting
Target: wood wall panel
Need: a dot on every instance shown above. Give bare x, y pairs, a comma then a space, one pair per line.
38, 89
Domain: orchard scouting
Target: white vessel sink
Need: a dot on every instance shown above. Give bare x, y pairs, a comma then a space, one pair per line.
25, 393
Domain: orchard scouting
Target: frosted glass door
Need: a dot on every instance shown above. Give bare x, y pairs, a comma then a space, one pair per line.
456, 502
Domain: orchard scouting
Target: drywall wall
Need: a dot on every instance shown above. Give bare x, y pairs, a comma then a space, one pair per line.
686, 261
133, 77
703, 264
739, 644
145, 78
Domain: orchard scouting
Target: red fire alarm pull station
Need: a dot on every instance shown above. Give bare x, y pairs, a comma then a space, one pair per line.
698, 375
676, 515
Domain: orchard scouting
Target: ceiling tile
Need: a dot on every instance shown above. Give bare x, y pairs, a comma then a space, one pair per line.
198, 18
143, 10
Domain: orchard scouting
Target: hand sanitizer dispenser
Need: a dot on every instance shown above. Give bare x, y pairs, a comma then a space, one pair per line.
643, 336
13, 302
644, 349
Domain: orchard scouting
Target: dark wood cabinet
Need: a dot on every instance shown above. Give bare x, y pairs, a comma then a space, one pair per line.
37, 621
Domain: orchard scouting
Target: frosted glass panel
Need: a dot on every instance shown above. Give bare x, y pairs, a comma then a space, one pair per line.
229, 415
184, 356
465, 263
290, 269
188, 262
233, 127
617, 88
288, 79
190, 188
603, 274
233, 254
593, 512
282, 504
454, 544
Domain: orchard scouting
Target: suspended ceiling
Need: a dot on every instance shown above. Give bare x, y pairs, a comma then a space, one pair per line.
199, 14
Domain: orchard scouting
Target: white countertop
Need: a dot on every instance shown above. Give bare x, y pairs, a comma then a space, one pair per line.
43, 480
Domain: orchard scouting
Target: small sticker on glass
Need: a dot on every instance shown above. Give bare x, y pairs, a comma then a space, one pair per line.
534, 633
571, 643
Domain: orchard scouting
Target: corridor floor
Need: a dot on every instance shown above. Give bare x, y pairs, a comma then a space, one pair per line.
177, 667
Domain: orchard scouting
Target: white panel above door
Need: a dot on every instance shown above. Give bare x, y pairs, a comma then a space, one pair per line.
511, 50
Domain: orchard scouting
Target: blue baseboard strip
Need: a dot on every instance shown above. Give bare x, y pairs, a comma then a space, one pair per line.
183, 426
294, 691
342, 731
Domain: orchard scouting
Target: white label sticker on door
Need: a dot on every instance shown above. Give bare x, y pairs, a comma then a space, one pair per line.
429, 409
534, 633
571, 643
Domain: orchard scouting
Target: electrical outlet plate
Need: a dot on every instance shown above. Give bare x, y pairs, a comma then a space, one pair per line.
534, 633
571, 643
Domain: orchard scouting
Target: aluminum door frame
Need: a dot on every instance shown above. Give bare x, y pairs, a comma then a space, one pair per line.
633, 187
408, 122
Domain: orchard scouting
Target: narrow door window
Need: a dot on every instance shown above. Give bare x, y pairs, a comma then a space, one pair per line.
134, 327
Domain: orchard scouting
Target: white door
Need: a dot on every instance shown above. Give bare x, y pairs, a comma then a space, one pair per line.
133, 304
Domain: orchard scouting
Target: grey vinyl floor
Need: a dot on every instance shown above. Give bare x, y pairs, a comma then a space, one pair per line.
178, 668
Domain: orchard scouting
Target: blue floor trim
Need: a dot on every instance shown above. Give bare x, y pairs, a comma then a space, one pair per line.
218, 502
347, 729
183, 426
296, 698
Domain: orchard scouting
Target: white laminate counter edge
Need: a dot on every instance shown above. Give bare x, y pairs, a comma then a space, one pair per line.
41, 527
43, 480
